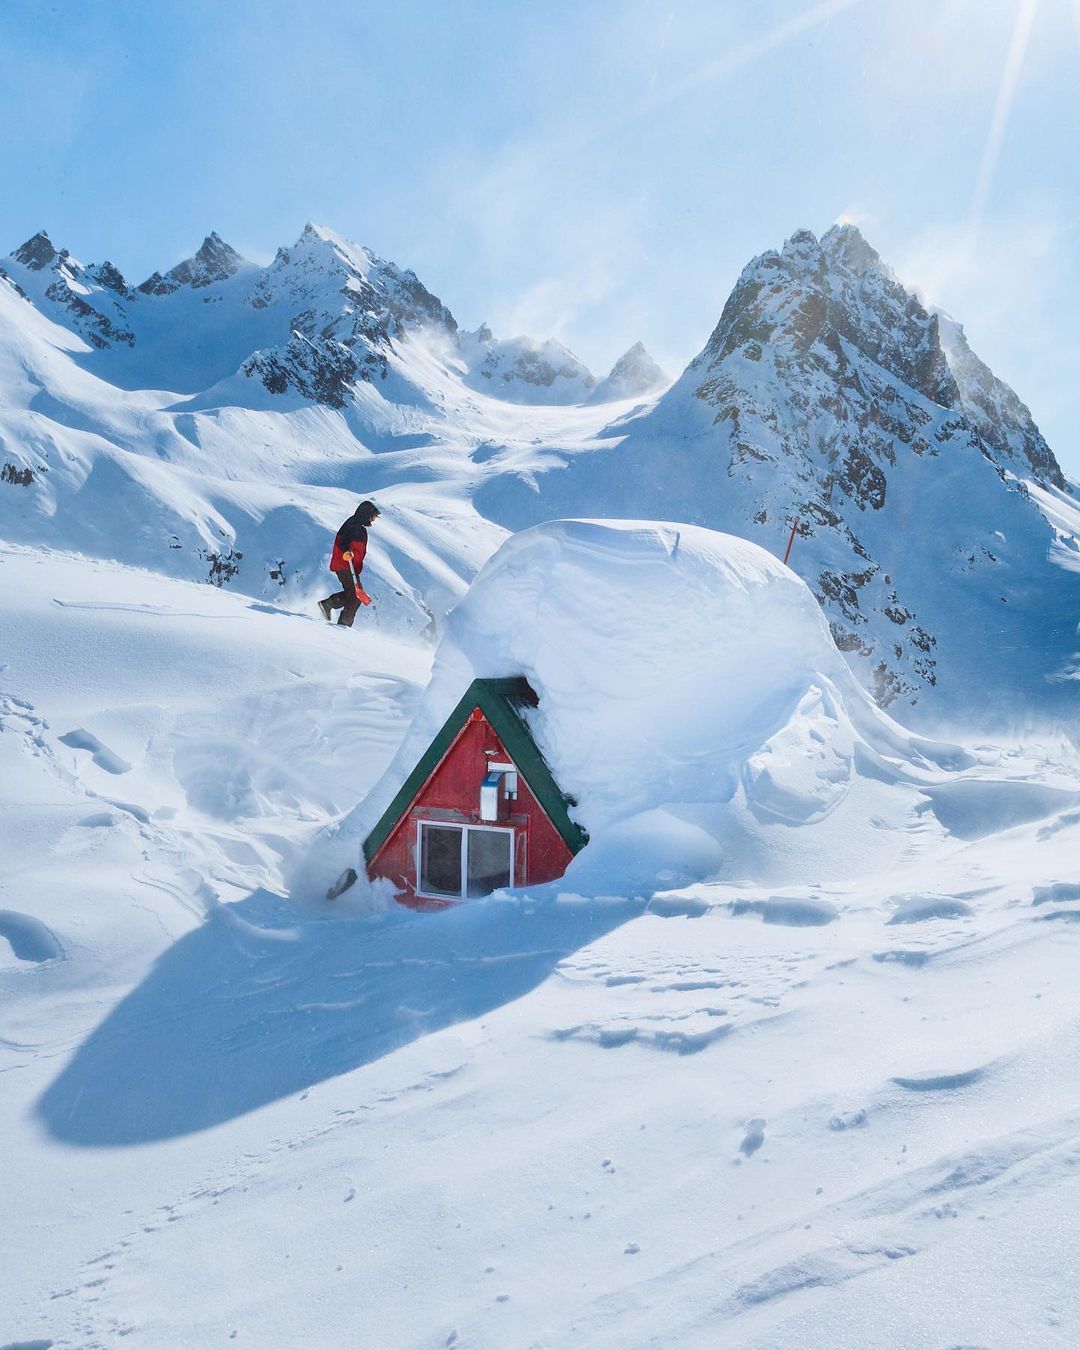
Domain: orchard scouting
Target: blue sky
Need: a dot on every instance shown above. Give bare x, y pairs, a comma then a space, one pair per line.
595, 171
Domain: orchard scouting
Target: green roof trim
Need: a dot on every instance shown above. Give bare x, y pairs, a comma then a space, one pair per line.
502, 702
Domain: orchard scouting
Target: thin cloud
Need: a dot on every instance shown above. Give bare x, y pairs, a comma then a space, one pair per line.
744, 54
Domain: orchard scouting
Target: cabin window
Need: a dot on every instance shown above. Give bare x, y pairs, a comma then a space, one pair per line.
459, 862
440, 860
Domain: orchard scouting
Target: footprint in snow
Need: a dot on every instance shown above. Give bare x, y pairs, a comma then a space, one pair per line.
753, 1138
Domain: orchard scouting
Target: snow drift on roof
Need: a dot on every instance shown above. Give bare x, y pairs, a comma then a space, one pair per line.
691, 699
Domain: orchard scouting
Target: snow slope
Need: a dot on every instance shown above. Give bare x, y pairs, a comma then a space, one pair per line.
822, 1098
219, 419
692, 702
788, 1057
826, 395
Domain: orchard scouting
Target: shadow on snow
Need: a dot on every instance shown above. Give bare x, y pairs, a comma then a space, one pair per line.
262, 1001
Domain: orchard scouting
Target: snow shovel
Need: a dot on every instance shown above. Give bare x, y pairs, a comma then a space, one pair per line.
361, 594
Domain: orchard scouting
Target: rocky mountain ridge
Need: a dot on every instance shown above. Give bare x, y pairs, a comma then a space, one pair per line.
320, 318
634, 374
215, 261
828, 400
216, 424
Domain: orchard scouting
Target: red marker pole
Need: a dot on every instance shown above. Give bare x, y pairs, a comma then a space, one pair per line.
791, 540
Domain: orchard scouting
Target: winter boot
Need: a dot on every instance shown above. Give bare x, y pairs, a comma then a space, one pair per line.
327, 612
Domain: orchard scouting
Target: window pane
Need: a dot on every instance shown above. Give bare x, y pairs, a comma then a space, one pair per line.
488, 860
440, 860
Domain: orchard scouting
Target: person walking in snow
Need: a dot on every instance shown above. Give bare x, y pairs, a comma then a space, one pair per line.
347, 562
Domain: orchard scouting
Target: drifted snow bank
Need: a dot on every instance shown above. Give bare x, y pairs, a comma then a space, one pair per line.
691, 700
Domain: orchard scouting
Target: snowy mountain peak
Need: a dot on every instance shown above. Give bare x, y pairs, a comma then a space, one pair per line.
634, 374
345, 307
86, 299
314, 235
523, 369
109, 276
830, 399
845, 246
841, 248
802, 252
215, 261
37, 252
833, 292
323, 269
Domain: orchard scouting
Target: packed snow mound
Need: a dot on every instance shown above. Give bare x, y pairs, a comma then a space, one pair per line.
691, 701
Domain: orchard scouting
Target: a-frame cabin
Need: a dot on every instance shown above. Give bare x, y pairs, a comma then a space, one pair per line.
480, 810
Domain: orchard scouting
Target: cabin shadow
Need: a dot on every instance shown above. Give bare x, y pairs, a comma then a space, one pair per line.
263, 1001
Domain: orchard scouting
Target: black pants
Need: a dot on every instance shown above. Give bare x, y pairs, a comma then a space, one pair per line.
345, 599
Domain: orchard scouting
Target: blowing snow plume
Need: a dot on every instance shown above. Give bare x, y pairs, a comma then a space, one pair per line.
691, 701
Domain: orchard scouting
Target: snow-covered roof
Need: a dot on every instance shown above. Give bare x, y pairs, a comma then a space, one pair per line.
678, 670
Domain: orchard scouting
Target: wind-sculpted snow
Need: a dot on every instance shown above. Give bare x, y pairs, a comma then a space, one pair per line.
692, 703
638, 1107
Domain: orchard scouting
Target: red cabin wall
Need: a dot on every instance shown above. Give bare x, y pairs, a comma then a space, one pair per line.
452, 794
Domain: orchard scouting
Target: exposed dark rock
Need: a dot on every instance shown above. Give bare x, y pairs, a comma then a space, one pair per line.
215, 261
96, 327
321, 370
112, 278
37, 252
223, 566
863, 480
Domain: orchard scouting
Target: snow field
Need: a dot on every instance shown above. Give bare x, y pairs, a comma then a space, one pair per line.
785, 1060
788, 1057
692, 702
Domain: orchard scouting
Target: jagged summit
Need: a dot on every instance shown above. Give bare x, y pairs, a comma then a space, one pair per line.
38, 252
829, 395
345, 307
828, 392
88, 299
215, 261
847, 247
522, 369
315, 233
837, 294
833, 291
634, 374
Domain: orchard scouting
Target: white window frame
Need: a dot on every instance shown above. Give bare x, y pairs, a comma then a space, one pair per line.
464, 828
